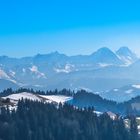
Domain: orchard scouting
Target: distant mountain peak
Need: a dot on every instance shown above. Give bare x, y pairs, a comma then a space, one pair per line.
51, 54
104, 49
105, 55
126, 55
55, 53
124, 50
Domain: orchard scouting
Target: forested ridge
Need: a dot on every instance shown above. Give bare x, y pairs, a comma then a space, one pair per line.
66, 92
38, 121
84, 98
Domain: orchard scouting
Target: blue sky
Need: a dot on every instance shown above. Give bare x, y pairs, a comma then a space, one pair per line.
29, 27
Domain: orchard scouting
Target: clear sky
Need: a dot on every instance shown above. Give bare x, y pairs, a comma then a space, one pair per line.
28, 27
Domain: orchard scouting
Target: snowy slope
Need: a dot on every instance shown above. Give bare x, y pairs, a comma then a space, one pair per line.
45, 98
57, 98
24, 95
126, 55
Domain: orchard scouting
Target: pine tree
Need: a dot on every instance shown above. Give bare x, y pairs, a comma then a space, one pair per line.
133, 128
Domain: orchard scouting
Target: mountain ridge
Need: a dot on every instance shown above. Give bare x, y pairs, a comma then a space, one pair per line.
56, 70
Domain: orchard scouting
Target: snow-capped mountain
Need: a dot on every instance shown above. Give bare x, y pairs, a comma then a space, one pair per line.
14, 98
106, 56
99, 71
126, 55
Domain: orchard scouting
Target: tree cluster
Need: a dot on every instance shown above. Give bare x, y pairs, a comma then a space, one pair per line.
41, 121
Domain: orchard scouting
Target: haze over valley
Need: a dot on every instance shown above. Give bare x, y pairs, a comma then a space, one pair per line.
100, 72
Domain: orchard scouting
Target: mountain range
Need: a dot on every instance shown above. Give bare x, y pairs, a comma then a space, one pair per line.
102, 70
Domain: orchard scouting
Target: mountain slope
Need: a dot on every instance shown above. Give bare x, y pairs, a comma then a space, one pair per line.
102, 70
106, 56
122, 94
126, 55
4, 84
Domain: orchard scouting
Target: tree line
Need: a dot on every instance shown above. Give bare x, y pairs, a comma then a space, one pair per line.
9, 91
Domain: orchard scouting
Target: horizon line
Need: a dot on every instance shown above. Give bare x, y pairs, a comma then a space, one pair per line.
62, 53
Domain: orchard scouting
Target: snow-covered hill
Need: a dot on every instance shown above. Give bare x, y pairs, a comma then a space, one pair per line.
24, 95
56, 98
35, 97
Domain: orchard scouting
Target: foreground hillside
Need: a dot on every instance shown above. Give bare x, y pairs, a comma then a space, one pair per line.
38, 121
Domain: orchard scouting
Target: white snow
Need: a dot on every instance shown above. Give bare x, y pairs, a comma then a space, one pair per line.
112, 115
46, 98
67, 69
126, 59
12, 73
24, 95
104, 65
136, 86
97, 92
34, 69
3, 74
115, 90
129, 91
129, 58
38, 85
138, 118
12, 107
98, 113
57, 98
126, 122
24, 70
